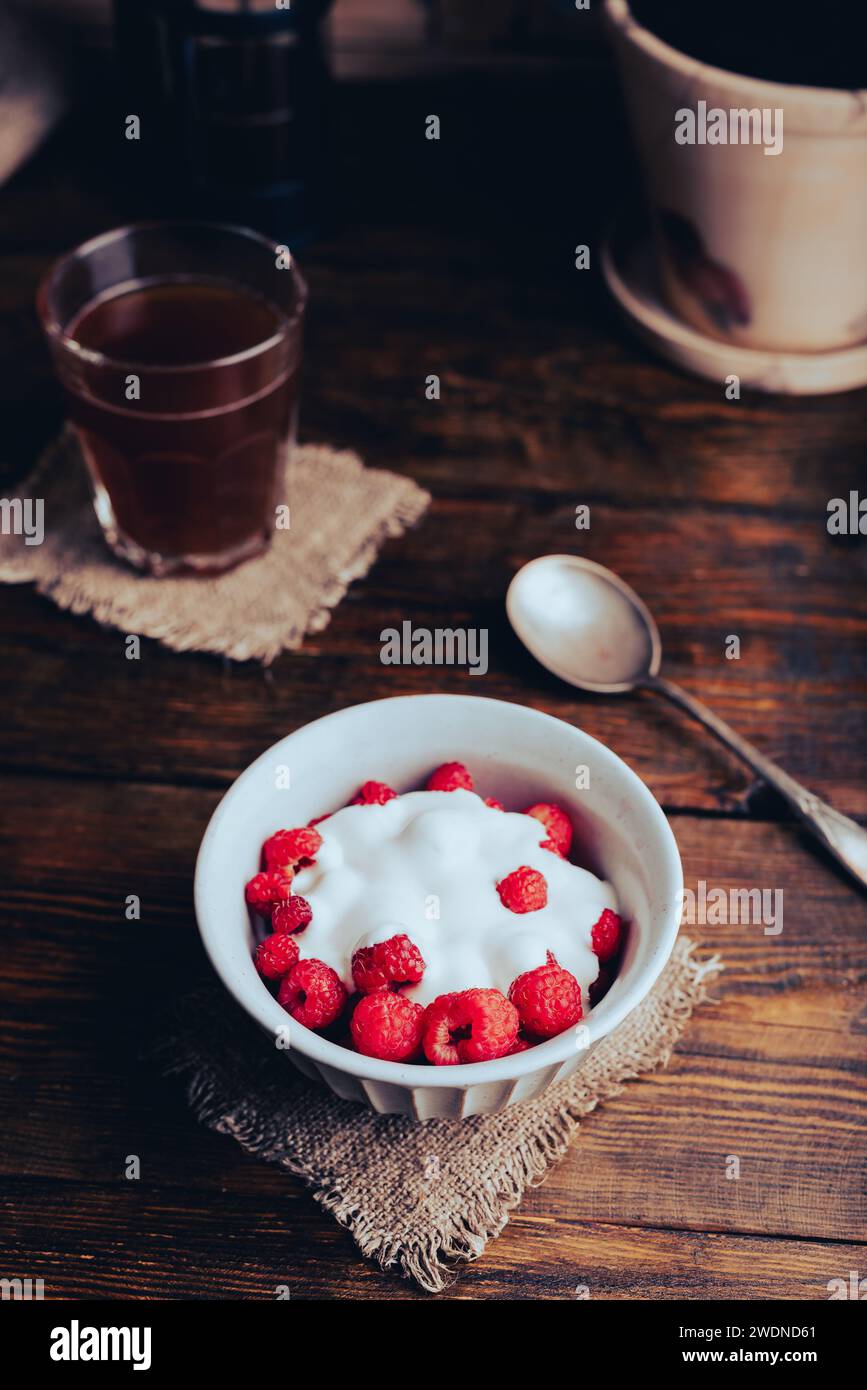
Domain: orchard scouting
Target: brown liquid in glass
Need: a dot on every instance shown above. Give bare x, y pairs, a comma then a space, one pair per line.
191, 467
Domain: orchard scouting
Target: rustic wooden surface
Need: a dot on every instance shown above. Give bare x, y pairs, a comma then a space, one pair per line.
455, 259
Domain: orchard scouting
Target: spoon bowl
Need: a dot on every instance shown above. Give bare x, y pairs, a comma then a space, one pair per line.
583, 623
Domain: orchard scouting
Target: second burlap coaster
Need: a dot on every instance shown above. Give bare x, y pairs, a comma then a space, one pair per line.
416, 1197
341, 514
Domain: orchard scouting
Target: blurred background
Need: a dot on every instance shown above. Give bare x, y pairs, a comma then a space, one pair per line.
383, 35
306, 124
246, 83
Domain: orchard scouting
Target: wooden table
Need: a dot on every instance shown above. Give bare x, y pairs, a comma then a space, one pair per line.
454, 258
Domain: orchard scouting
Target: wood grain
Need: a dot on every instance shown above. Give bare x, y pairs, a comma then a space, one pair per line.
798, 689
714, 510
126, 1241
772, 1073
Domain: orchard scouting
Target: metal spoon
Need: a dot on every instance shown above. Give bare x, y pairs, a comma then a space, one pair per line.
583, 623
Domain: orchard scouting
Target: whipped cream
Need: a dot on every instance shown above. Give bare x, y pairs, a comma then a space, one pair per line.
427, 864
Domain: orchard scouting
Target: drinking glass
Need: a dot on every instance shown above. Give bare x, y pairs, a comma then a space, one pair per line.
178, 346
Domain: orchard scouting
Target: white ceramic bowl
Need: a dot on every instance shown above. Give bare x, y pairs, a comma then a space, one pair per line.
517, 754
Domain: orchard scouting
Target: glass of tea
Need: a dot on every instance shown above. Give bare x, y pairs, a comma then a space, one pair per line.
178, 346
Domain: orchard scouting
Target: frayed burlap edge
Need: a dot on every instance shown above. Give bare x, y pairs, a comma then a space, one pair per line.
263, 614
535, 1135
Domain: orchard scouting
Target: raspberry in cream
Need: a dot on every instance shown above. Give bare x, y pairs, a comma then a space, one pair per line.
478, 932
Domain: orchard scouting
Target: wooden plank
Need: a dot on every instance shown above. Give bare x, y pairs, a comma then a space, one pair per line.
129, 1242
798, 690
773, 1073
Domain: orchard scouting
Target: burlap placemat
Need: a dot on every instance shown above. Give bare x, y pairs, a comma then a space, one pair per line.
417, 1198
341, 514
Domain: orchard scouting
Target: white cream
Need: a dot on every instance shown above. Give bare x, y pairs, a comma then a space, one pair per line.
427, 864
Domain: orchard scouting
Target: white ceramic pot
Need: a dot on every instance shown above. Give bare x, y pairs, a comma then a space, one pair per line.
764, 250
517, 754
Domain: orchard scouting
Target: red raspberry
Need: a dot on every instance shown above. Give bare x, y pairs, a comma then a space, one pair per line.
292, 915
475, 1025
263, 891
386, 965
451, 777
549, 845
388, 1026
555, 821
523, 890
548, 999
494, 804
521, 1045
288, 848
276, 955
606, 935
317, 819
313, 993
373, 794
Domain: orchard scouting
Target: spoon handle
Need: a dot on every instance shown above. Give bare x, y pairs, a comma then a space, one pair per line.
845, 840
